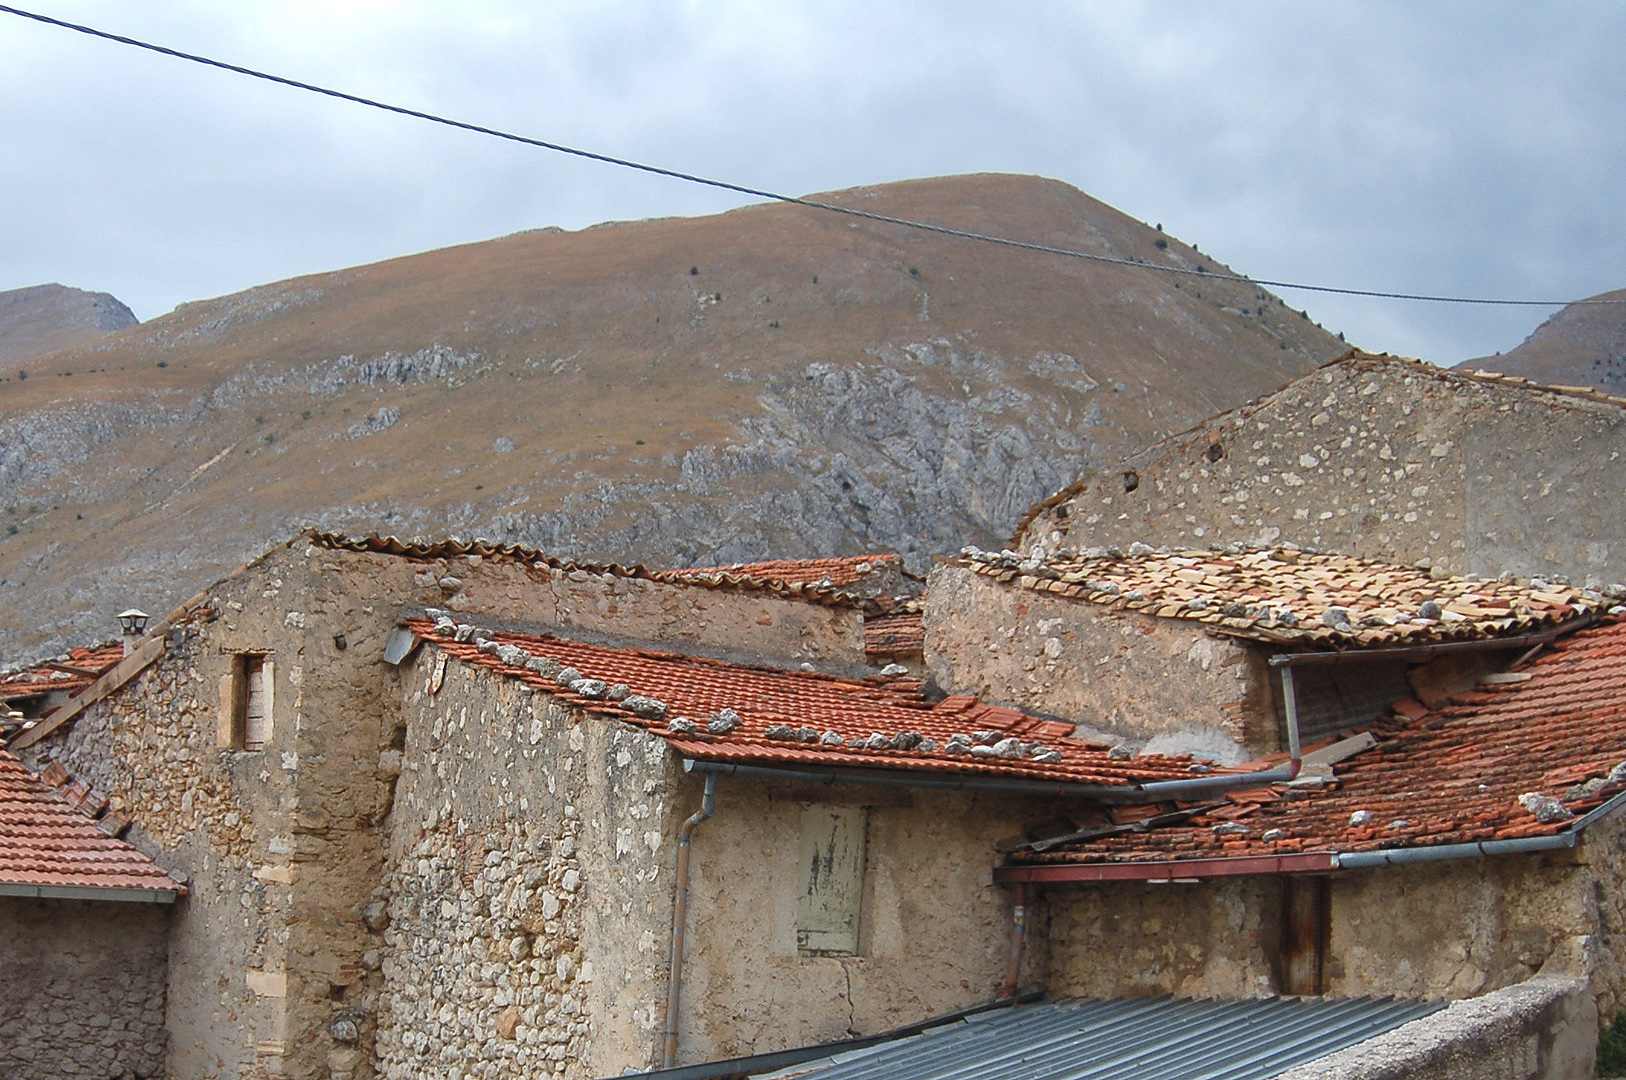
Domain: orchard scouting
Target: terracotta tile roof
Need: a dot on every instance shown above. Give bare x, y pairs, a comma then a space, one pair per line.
901, 634
839, 573
1286, 595
71, 672
778, 578
770, 716
46, 841
1450, 776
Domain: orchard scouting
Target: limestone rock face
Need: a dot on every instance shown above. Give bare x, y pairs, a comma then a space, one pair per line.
773, 382
45, 318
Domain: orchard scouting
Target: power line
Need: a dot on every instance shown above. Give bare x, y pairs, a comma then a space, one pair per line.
741, 189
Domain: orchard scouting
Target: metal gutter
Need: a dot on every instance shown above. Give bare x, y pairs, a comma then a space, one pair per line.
1126, 794
1319, 862
1570, 837
88, 892
1205, 785
1424, 652
680, 913
1174, 870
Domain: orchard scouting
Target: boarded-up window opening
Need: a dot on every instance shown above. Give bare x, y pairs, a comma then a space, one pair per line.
832, 880
247, 702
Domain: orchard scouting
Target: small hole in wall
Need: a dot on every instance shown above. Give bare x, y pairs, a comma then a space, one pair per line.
1214, 452
340, 643
1131, 481
335, 992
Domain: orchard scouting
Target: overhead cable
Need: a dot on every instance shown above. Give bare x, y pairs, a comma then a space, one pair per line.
760, 193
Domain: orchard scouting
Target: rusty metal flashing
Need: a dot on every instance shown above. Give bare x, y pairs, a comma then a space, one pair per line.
1315, 862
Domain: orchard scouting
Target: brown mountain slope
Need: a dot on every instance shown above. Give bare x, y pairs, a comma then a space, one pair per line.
46, 318
1581, 345
770, 381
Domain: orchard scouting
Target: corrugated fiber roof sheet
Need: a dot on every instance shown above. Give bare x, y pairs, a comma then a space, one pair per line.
1127, 1039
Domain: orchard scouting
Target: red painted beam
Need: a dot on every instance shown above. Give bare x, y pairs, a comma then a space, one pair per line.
1315, 862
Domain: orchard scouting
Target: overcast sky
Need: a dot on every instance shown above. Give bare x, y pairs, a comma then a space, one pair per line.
1473, 148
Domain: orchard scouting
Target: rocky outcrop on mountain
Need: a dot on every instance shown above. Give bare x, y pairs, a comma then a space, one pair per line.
770, 382
1581, 345
46, 318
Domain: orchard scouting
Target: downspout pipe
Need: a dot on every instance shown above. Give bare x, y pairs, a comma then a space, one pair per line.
680, 912
1212, 785
1019, 937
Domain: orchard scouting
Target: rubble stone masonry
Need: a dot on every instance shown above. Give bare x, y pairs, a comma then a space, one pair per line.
1382, 458
81, 990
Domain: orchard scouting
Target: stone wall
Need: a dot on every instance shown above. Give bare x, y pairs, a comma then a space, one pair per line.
1543, 1029
1215, 938
1383, 458
1451, 929
755, 623
529, 885
81, 990
1121, 675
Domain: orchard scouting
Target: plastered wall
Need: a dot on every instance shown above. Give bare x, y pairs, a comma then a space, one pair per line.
1119, 674
1382, 458
934, 934
1453, 929
81, 989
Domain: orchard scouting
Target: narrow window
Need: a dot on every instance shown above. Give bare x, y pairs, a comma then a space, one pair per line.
246, 702
832, 880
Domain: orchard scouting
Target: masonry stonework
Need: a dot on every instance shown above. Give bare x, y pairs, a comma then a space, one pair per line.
1382, 458
1162, 685
81, 990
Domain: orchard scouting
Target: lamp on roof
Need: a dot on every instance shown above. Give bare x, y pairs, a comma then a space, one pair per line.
133, 623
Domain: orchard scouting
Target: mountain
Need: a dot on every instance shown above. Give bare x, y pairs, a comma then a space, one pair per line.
1581, 345
772, 381
46, 318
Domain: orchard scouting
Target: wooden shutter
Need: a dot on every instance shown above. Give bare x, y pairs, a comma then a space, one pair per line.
832, 873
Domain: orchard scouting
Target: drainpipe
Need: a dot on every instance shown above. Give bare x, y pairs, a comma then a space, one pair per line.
680, 911
1019, 935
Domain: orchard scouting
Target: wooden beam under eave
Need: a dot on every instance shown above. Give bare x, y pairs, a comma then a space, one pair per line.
125, 670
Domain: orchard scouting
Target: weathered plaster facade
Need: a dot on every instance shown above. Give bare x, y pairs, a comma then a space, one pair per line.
1121, 675
1382, 458
1454, 929
81, 990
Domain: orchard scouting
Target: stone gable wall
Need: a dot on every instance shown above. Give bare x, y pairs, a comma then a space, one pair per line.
1386, 459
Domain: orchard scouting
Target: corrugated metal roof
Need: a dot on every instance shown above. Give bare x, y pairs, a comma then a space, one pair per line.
1126, 1039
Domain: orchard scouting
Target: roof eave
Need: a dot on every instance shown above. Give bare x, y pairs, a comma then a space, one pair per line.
89, 892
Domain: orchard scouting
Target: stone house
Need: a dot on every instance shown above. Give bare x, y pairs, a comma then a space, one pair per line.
1376, 456
257, 736
1463, 758
83, 920
443, 809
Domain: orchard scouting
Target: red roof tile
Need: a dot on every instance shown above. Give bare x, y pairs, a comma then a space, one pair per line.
903, 634
45, 841
1452, 776
73, 672
1290, 596
769, 699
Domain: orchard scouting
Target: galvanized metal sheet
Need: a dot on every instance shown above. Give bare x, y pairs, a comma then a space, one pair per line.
1128, 1039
